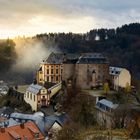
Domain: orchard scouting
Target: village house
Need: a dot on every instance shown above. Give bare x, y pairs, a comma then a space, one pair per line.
23, 131
37, 96
105, 113
120, 77
40, 95
48, 125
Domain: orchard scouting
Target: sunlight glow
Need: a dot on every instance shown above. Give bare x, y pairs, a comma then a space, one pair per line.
46, 24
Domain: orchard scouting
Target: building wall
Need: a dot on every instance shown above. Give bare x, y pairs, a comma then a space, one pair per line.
86, 78
68, 72
35, 99
104, 119
31, 99
55, 89
122, 79
50, 73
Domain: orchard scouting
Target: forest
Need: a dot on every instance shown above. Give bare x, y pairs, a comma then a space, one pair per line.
120, 45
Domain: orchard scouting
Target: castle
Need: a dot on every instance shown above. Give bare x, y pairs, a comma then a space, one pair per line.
85, 70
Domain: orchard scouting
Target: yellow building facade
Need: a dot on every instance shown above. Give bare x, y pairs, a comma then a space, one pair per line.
50, 70
49, 73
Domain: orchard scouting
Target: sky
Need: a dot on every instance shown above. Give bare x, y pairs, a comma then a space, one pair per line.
31, 17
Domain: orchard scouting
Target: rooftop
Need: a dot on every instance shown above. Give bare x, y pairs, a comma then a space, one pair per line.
34, 88
59, 58
40, 119
61, 119
89, 58
115, 70
106, 105
21, 131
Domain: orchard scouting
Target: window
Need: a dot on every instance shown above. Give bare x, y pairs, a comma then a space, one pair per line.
51, 71
47, 71
31, 96
116, 72
27, 94
56, 71
56, 78
34, 97
40, 72
52, 79
43, 91
47, 78
61, 71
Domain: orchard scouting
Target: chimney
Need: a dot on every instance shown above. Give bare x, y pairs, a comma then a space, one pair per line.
22, 125
2, 129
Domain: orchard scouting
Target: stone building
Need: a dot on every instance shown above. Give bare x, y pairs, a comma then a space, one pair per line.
51, 69
85, 70
92, 70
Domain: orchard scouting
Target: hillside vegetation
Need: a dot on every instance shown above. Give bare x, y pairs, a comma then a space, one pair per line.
120, 45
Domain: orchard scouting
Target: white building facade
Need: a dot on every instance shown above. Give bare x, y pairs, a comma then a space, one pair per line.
120, 77
36, 96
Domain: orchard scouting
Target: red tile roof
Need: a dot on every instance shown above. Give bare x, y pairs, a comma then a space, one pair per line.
24, 131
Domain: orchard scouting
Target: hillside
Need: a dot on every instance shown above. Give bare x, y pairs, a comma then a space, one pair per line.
121, 46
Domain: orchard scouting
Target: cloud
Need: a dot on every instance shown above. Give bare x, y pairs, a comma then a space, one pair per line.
36, 16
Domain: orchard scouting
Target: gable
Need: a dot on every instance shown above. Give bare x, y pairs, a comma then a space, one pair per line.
56, 126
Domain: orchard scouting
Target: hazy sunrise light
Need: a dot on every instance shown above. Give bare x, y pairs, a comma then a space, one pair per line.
43, 16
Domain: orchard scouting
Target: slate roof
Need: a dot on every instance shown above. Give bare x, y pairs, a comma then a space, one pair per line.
8, 123
73, 58
6, 111
34, 88
50, 120
115, 70
89, 58
58, 58
29, 117
43, 123
108, 103
55, 58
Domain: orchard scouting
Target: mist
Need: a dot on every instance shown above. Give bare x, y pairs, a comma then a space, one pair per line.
29, 54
